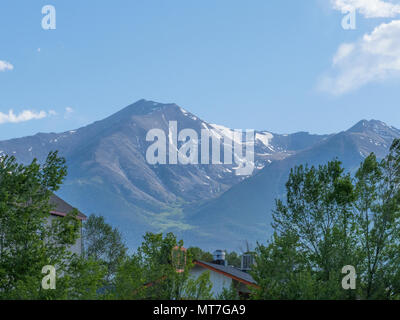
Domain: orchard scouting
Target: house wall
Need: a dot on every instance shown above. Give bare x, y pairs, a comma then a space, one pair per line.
219, 281
77, 247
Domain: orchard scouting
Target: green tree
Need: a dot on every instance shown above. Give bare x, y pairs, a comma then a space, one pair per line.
318, 212
198, 289
378, 210
330, 220
151, 273
283, 271
104, 244
198, 254
233, 259
229, 294
29, 238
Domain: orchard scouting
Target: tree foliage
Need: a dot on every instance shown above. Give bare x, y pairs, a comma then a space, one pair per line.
29, 238
330, 220
103, 244
151, 273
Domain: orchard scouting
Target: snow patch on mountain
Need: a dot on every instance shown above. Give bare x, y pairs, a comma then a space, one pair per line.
265, 138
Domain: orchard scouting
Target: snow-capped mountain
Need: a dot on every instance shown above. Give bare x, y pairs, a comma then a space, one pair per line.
244, 211
109, 174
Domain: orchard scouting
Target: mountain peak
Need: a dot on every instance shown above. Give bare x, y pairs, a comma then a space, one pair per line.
139, 108
370, 125
147, 106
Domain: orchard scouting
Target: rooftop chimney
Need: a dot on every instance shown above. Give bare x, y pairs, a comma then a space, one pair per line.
219, 257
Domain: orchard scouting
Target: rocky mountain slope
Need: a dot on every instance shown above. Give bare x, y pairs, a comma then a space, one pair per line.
244, 212
209, 205
110, 175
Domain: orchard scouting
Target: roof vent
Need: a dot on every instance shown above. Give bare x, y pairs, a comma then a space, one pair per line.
247, 261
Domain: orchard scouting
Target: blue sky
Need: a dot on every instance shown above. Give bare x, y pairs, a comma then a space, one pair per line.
278, 65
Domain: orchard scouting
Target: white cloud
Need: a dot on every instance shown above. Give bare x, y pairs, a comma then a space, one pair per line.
369, 8
4, 66
68, 112
374, 57
344, 51
25, 115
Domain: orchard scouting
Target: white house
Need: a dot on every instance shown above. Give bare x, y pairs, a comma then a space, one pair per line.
61, 209
222, 276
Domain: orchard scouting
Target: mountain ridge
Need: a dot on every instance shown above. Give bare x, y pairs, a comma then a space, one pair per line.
253, 199
109, 174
